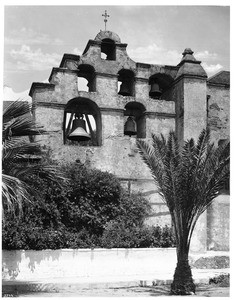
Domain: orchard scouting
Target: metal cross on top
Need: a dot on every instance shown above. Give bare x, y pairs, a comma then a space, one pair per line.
105, 20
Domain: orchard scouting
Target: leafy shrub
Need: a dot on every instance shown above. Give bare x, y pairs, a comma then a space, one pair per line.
118, 235
82, 239
221, 280
92, 210
95, 196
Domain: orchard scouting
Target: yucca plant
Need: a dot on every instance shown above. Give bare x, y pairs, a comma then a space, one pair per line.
22, 159
188, 178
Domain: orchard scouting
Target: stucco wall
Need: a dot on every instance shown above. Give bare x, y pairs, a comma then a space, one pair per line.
183, 108
194, 108
86, 264
218, 214
219, 112
218, 221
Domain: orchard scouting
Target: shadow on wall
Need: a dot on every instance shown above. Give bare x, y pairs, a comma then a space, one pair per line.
10, 264
12, 260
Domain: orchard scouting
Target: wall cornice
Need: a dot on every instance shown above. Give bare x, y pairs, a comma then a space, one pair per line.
188, 76
160, 114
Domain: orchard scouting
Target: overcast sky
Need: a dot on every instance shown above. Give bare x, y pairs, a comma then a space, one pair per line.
36, 37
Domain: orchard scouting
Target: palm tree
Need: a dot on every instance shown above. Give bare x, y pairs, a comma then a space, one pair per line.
22, 159
188, 178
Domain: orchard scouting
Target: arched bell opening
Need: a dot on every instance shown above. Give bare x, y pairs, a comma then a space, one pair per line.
82, 123
86, 78
108, 49
126, 82
159, 83
134, 120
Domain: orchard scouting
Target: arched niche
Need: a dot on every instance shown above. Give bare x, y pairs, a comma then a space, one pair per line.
159, 84
136, 111
126, 82
90, 113
108, 49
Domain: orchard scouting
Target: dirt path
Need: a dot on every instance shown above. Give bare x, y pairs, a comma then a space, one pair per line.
154, 291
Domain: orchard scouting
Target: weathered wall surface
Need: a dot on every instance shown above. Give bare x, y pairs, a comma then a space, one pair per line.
178, 94
86, 264
182, 107
194, 107
191, 107
160, 214
218, 216
219, 112
118, 153
99, 264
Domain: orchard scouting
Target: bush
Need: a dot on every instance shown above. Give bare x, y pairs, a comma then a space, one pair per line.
222, 280
92, 210
23, 236
118, 235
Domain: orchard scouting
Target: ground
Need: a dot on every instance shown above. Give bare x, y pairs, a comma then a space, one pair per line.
134, 291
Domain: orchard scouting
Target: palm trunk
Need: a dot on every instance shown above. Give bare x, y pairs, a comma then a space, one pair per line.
183, 282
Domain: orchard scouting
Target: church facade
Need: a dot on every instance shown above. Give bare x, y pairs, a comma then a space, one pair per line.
125, 100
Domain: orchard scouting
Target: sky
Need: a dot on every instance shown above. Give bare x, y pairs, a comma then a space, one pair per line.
36, 37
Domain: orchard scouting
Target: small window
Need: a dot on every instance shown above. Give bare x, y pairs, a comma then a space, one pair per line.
82, 123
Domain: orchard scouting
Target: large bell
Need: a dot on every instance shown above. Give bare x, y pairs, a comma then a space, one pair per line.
130, 127
155, 91
78, 132
124, 89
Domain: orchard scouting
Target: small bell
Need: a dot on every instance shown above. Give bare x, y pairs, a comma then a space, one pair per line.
124, 89
130, 127
78, 132
155, 91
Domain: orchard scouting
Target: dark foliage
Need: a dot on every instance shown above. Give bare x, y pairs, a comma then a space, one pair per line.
118, 235
220, 280
92, 210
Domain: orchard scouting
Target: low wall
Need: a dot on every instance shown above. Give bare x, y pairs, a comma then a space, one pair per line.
28, 265
38, 265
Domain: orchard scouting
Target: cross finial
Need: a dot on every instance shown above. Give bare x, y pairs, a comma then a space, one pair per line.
105, 19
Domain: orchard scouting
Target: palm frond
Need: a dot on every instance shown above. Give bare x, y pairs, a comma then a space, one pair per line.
14, 193
16, 109
16, 149
21, 126
46, 172
154, 156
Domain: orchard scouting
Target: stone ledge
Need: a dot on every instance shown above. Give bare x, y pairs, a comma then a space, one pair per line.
212, 262
40, 86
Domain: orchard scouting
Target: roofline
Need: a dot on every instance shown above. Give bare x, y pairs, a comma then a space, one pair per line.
217, 74
68, 56
39, 86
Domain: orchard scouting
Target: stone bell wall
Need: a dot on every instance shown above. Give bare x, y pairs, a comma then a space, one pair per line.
183, 108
